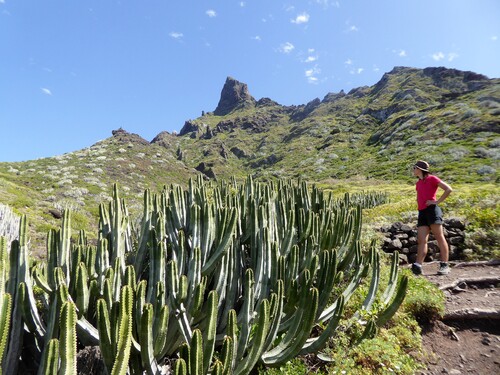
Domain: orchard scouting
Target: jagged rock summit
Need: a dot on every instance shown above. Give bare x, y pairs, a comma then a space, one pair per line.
125, 137
234, 95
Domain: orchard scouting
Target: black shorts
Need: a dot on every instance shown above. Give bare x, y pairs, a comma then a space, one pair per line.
430, 215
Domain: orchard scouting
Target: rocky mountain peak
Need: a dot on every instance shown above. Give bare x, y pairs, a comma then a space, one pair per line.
456, 80
234, 95
124, 136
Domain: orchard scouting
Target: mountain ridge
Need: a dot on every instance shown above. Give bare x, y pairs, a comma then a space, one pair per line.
448, 117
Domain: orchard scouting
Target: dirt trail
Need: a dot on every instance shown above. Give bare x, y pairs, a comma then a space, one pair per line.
465, 345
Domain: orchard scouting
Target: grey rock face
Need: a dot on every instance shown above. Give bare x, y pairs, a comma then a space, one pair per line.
234, 95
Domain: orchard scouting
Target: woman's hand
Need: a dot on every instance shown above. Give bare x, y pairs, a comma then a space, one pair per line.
430, 202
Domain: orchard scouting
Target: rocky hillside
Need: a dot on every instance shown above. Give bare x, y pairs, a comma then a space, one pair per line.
446, 116
449, 117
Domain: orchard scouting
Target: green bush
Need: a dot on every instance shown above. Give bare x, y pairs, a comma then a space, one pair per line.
424, 301
395, 349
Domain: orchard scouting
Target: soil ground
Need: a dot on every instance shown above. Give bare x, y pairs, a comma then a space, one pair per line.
465, 345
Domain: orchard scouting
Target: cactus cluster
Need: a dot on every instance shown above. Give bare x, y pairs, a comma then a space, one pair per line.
217, 279
369, 199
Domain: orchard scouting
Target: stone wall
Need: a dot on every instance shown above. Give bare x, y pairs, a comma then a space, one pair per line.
403, 238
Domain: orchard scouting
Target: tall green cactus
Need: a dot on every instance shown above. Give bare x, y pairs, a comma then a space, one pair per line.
227, 274
5, 302
67, 339
50, 359
115, 332
30, 313
5, 312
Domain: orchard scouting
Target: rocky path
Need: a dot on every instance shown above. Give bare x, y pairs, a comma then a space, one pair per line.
467, 339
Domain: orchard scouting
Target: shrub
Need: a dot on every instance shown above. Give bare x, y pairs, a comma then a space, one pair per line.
484, 243
481, 152
442, 141
485, 169
471, 112
495, 143
424, 301
457, 153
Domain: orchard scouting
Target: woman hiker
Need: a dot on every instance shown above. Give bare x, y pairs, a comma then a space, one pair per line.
430, 216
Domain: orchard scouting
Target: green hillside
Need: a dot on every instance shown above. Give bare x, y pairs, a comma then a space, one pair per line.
450, 118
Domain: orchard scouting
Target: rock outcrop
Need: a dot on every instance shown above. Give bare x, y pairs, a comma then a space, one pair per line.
126, 137
456, 80
206, 169
303, 111
234, 95
266, 102
164, 139
189, 127
332, 97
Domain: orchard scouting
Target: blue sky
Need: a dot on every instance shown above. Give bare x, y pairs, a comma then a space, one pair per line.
72, 71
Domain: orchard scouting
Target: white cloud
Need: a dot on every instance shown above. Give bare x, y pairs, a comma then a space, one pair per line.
286, 47
438, 56
326, 3
242, 4
356, 71
211, 13
450, 56
402, 53
494, 38
46, 91
176, 35
269, 18
353, 28
311, 74
311, 59
348, 62
301, 18
310, 50
257, 38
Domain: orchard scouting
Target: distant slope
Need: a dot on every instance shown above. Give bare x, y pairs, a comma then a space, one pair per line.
83, 179
449, 117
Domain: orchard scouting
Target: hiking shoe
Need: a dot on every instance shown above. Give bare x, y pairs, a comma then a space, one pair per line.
444, 269
417, 270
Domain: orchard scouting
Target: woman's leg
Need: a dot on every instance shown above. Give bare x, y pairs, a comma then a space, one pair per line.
422, 237
437, 231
